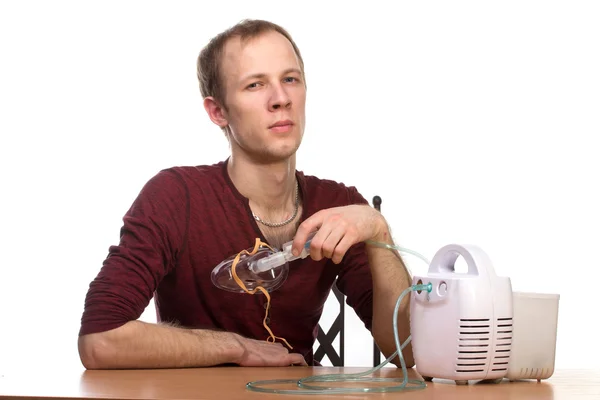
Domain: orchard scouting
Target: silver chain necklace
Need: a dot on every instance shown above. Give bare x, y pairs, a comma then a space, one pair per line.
287, 221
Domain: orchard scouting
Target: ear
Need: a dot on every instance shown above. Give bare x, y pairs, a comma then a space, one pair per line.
215, 112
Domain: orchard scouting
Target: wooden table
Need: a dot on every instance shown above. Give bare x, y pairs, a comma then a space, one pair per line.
230, 382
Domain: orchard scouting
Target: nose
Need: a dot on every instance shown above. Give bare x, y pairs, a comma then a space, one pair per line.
279, 98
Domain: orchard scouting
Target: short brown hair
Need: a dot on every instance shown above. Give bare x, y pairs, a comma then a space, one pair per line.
209, 60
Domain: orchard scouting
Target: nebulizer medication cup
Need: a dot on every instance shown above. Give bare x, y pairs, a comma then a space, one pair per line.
279, 258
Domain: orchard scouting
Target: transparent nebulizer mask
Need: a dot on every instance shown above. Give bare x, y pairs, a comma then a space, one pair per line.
257, 267
222, 274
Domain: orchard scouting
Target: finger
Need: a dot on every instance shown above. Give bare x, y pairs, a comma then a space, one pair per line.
316, 244
310, 225
349, 239
297, 359
332, 241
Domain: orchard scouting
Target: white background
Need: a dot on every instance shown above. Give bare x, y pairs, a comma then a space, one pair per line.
476, 122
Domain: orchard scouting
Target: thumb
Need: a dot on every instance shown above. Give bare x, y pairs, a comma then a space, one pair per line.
310, 225
297, 359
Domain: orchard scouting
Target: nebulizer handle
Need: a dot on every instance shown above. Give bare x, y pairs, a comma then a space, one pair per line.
281, 257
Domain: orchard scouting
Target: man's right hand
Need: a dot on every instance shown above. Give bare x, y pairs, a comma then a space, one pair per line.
260, 353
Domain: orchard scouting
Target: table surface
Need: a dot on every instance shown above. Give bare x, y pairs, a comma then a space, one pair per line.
230, 382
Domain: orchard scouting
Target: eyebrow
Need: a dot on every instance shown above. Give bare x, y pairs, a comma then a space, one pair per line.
261, 75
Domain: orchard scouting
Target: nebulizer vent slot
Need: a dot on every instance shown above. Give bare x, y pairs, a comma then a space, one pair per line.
474, 341
534, 373
503, 344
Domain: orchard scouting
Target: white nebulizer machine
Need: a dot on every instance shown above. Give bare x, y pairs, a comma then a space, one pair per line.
472, 326
462, 329
464, 326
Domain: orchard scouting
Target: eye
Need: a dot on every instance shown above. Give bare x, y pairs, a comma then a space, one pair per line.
253, 85
290, 79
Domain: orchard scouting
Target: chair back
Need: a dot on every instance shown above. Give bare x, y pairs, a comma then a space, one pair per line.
325, 339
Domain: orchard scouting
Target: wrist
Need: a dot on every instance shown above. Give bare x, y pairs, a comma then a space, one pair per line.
234, 348
226, 347
382, 231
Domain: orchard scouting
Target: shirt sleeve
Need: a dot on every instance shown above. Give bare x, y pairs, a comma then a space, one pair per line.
354, 279
152, 236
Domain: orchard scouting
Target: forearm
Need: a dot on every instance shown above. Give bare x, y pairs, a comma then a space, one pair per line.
143, 345
390, 279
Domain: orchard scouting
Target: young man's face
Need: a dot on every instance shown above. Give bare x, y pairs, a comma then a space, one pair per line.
265, 97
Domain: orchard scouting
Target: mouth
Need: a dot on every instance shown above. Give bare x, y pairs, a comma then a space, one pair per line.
281, 126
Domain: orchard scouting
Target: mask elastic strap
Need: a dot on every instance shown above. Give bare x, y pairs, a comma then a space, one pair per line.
236, 260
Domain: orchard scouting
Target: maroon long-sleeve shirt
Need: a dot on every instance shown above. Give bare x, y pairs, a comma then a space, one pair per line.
185, 221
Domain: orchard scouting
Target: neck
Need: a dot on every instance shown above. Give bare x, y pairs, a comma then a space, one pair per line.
270, 187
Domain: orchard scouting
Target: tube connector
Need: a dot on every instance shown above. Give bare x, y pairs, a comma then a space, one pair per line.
423, 286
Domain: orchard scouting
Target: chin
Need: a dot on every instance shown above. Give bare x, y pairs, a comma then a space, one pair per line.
277, 155
282, 150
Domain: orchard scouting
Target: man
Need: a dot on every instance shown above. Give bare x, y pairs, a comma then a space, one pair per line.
186, 220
